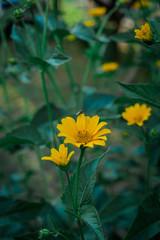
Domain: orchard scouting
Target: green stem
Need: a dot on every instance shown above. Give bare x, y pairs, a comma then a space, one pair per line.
45, 29
61, 179
77, 177
80, 229
143, 10
148, 168
48, 107
70, 189
56, 87
44, 182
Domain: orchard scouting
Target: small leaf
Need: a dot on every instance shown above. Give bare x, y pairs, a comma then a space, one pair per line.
89, 215
149, 93
83, 32
147, 222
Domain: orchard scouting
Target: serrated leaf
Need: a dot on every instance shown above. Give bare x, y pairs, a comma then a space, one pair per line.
57, 59
121, 204
149, 93
83, 32
22, 135
41, 116
147, 222
13, 210
87, 179
89, 215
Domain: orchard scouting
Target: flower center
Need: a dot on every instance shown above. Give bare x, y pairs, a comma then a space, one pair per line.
83, 137
138, 119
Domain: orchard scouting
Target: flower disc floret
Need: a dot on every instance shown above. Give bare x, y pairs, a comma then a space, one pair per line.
61, 157
86, 131
110, 67
136, 114
97, 12
144, 34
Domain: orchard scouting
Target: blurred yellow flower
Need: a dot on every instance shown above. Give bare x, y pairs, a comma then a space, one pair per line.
110, 66
97, 12
85, 132
71, 37
137, 114
158, 63
144, 34
31, 1
144, 3
89, 23
60, 157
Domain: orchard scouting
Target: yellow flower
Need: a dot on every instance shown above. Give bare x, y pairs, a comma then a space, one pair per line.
89, 23
60, 157
97, 12
144, 34
110, 66
144, 3
158, 63
136, 114
71, 37
31, 1
84, 132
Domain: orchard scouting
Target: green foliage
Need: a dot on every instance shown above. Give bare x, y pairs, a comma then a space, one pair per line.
147, 222
89, 215
83, 32
22, 135
149, 93
13, 210
155, 28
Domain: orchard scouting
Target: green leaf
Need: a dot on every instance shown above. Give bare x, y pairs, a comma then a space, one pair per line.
147, 222
22, 42
13, 210
83, 32
155, 28
89, 215
41, 116
121, 204
87, 179
95, 101
124, 37
22, 135
57, 59
149, 93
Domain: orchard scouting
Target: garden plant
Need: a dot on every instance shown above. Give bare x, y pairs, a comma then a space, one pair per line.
80, 120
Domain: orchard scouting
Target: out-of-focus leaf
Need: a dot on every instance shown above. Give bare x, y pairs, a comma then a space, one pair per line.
147, 222
132, 129
89, 215
24, 45
124, 37
22, 135
155, 28
95, 101
119, 205
83, 32
41, 116
13, 210
149, 93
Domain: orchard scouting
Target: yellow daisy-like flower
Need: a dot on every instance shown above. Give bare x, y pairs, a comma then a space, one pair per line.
144, 3
137, 114
71, 37
60, 157
86, 131
158, 63
97, 12
144, 34
89, 23
110, 66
